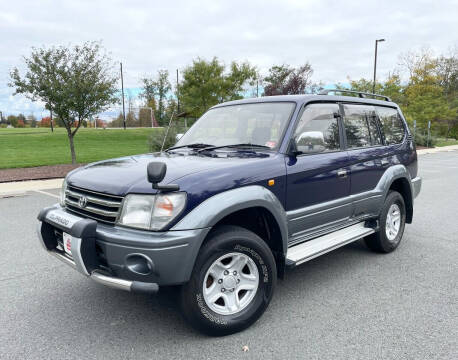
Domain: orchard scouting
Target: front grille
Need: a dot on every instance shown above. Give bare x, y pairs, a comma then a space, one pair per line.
97, 206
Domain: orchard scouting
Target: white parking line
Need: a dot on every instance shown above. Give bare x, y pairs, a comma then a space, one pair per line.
47, 193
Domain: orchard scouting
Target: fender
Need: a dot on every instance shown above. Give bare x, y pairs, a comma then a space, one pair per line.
390, 175
370, 202
215, 208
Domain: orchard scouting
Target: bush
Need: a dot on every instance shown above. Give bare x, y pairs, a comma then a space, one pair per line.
422, 140
454, 132
3, 126
155, 140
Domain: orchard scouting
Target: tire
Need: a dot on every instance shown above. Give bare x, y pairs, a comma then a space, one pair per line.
386, 240
211, 309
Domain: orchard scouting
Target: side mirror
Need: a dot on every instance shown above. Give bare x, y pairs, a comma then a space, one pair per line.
178, 136
156, 172
292, 148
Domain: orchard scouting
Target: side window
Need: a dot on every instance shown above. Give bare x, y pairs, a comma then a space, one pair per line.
392, 126
361, 126
376, 138
318, 130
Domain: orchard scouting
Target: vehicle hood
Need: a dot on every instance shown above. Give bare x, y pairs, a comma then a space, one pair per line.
128, 174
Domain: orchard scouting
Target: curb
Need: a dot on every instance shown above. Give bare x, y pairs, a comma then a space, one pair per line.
437, 149
18, 188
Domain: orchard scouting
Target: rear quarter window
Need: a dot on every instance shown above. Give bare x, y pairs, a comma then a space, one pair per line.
392, 125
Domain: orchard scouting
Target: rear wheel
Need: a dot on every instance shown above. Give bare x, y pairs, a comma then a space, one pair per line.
392, 221
232, 282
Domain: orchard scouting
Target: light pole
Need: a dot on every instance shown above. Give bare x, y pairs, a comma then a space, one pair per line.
122, 90
178, 95
375, 63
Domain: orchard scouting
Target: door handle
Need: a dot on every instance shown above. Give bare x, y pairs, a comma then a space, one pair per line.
342, 173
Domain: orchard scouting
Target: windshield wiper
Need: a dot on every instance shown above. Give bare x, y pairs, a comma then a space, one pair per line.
191, 146
235, 146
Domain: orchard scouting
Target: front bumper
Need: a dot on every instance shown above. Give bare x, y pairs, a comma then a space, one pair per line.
117, 257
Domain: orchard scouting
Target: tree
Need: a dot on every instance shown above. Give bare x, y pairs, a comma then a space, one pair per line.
155, 91
447, 71
45, 122
118, 122
171, 109
425, 95
286, 80
207, 83
12, 120
392, 87
131, 120
76, 83
144, 117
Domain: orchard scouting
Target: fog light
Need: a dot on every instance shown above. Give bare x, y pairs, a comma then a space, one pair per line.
139, 264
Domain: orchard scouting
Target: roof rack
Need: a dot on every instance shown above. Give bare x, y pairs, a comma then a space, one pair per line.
360, 93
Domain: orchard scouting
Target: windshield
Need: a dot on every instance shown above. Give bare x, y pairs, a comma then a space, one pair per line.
258, 124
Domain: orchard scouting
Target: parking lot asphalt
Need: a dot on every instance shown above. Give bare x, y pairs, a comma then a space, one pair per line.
348, 304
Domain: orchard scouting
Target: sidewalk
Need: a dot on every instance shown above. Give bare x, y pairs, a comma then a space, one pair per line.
20, 187
437, 149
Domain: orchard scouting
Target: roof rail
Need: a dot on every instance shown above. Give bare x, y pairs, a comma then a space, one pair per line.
360, 93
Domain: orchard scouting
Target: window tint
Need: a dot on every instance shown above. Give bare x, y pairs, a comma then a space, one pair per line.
372, 121
392, 126
318, 130
360, 126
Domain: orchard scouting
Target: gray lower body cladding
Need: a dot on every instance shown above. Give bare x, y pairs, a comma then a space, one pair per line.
416, 186
119, 257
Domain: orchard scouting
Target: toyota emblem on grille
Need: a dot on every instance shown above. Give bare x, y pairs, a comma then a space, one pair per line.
82, 202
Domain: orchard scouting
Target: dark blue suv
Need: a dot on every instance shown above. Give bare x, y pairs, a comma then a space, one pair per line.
254, 187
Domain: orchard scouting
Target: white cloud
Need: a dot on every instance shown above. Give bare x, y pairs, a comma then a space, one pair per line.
337, 37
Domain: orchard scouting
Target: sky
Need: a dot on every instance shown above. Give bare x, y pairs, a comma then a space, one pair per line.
336, 37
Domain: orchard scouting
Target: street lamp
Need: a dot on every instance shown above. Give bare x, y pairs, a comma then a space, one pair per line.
375, 63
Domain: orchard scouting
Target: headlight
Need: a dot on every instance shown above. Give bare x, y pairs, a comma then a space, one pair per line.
151, 212
62, 192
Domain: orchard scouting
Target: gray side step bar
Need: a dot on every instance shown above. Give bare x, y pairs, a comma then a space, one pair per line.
309, 250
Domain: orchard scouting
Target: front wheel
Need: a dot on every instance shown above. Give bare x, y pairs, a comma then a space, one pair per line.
392, 221
232, 282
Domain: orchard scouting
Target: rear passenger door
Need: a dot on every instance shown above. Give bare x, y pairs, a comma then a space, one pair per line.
366, 153
317, 182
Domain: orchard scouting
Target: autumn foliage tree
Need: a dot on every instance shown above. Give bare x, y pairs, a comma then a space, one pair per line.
76, 82
430, 92
287, 80
45, 122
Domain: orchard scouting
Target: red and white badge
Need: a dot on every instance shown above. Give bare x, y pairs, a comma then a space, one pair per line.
67, 240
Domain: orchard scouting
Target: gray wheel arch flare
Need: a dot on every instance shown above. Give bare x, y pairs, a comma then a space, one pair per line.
393, 173
215, 208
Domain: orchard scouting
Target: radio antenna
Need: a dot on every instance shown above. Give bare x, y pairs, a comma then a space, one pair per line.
167, 132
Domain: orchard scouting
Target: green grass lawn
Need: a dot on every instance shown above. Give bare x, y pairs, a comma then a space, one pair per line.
443, 142
39, 146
